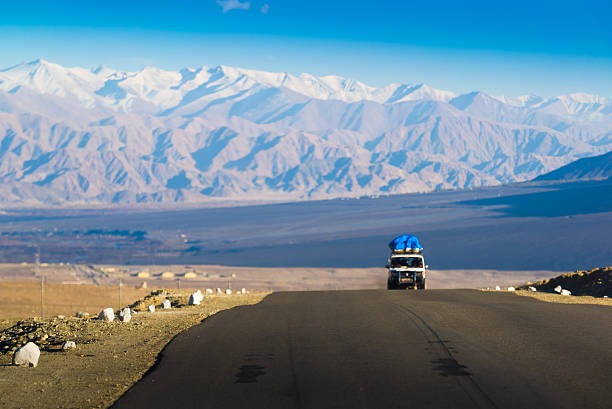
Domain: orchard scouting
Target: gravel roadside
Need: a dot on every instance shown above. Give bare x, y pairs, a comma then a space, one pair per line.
109, 358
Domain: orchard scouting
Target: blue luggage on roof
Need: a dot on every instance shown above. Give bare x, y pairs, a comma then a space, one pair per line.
405, 242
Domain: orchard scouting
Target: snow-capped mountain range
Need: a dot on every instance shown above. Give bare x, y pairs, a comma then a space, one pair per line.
101, 136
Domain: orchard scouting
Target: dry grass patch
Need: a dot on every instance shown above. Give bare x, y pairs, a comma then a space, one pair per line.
23, 298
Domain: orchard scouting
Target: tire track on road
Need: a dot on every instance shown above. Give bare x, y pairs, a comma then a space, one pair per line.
447, 364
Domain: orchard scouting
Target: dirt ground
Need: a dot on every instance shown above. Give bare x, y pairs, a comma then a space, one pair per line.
562, 299
596, 282
586, 286
108, 359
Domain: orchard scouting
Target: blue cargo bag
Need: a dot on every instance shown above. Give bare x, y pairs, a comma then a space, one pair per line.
405, 242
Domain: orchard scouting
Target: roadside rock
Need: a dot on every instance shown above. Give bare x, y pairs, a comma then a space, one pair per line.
82, 314
151, 308
533, 289
566, 292
558, 289
196, 298
69, 345
125, 315
107, 314
166, 304
27, 355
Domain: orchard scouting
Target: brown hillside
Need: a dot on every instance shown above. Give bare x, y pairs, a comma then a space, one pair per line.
596, 282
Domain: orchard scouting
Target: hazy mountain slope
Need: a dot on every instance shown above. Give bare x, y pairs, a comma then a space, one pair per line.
594, 168
105, 136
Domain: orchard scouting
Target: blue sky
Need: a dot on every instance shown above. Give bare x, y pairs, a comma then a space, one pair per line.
505, 47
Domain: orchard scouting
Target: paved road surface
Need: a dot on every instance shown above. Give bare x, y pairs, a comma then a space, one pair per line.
388, 349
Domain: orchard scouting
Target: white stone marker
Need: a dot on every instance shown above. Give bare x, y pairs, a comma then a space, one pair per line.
69, 345
196, 298
27, 355
107, 314
125, 315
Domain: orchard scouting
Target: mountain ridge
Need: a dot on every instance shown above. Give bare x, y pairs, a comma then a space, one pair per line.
592, 168
104, 136
334, 85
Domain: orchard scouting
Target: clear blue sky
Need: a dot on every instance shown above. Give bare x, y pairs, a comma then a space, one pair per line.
501, 47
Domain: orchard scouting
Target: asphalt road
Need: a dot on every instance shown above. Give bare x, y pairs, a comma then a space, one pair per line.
388, 349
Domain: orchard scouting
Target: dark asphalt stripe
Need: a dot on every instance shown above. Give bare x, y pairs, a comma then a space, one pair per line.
294, 378
447, 362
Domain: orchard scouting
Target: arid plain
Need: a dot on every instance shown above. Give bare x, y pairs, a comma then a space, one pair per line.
529, 227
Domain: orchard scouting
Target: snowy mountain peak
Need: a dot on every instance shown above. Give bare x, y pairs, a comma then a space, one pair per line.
22, 71
26, 66
583, 98
48, 78
466, 100
581, 103
530, 100
419, 92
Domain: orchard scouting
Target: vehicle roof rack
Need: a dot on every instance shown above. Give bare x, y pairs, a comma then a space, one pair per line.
407, 251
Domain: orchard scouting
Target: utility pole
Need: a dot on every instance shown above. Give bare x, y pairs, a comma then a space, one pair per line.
120, 285
42, 284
